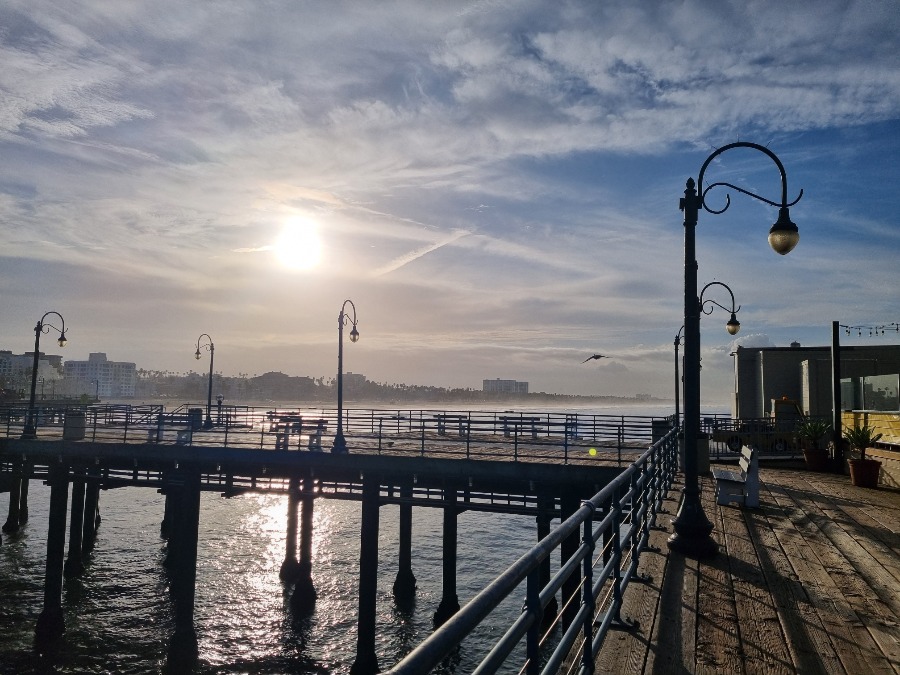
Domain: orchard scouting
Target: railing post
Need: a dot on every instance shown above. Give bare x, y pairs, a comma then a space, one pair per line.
533, 637
587, 658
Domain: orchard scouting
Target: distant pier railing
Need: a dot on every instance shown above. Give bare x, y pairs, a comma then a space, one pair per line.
500, 435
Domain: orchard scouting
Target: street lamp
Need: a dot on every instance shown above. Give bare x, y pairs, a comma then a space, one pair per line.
692, 529
30, 430
733, 326
96, 384
211, 348
340, 444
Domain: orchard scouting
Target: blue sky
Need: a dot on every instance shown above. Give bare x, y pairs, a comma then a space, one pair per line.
494, 184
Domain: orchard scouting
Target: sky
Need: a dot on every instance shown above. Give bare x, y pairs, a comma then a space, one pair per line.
494, 185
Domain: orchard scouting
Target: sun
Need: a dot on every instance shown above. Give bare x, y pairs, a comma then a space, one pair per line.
299, 246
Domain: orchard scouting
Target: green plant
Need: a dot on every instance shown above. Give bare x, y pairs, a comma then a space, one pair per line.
813, 429
861, 437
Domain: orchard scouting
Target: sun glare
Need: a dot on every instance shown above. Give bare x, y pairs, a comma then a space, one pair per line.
299, 246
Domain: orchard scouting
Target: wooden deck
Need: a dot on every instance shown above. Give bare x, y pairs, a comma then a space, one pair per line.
807, 583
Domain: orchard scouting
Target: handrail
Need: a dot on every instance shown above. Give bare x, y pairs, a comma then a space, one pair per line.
633, 498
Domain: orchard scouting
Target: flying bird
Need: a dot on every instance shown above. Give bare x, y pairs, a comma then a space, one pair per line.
595, 356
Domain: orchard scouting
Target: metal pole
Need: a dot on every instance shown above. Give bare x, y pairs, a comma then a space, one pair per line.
30, 430
692, 529
340, 445
836, 422
208, 424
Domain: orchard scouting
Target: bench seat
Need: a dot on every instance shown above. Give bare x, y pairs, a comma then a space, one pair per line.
742, 485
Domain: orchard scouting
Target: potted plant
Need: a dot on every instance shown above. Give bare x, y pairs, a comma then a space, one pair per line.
863, 472
811, 431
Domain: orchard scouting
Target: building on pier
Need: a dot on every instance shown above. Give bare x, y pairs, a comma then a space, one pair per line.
766, 374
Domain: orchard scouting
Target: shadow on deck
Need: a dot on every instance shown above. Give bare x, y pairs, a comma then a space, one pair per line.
809, 582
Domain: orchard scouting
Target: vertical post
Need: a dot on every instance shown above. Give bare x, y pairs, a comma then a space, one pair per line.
74, 567
568, 505
449, 604
692, 529
836, 421
91, 514
15, 494
30, 430
208, 423
50, 623
290, 566
405, 583
366, 661
183, 643
304, 596
544, 516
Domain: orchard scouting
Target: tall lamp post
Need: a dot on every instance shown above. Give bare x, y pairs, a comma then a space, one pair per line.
42, 326
679, 340
211, 348
340, 443
692, 529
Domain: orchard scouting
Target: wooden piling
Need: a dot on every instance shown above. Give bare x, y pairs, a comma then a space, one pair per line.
51, 625
366, 662
449, 604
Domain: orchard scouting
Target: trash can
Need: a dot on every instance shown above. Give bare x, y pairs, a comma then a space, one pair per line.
195, 418
73, 425
659, 428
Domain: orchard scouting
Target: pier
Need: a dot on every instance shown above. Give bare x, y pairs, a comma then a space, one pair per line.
540, 466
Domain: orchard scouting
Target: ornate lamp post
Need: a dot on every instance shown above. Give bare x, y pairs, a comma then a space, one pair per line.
692, 529
30, 430
340, 444
211, 348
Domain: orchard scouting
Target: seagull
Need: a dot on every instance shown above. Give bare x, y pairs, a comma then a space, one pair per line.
595, 356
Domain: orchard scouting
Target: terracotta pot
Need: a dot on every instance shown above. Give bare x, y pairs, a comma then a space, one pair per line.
816, 459
864, 472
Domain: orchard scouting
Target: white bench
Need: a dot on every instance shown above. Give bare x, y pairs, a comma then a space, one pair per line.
739, 486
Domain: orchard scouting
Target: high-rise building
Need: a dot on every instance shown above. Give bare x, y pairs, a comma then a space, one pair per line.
499, 386
98, 376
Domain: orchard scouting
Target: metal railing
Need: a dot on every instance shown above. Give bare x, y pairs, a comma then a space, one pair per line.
615, 525
553, 437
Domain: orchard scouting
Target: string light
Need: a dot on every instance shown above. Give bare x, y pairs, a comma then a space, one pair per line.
873, 330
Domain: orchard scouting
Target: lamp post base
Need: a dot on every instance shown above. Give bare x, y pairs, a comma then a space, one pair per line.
339, 446
693, 530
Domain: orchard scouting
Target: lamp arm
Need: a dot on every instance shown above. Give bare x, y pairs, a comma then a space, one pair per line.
703, 309
755, 146
45, 327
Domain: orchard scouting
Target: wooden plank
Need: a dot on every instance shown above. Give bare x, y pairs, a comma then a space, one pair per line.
808, 643
628, 651
674, 633
762, 642
811, 553
718, 645
861, 582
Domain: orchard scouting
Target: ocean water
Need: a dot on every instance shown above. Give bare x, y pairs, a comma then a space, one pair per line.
119, 615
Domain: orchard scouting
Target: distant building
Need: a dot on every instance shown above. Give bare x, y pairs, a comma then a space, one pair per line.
98, 376
499, 386
763, 374
15, 370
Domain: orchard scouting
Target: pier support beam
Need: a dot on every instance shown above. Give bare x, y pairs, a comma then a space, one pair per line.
366, 662
405, 583
183, 643
51, 625
74, 566
290, 568
91, 513
545, 515
304, 596
23, 494
569, 504
13, 517
449, 604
